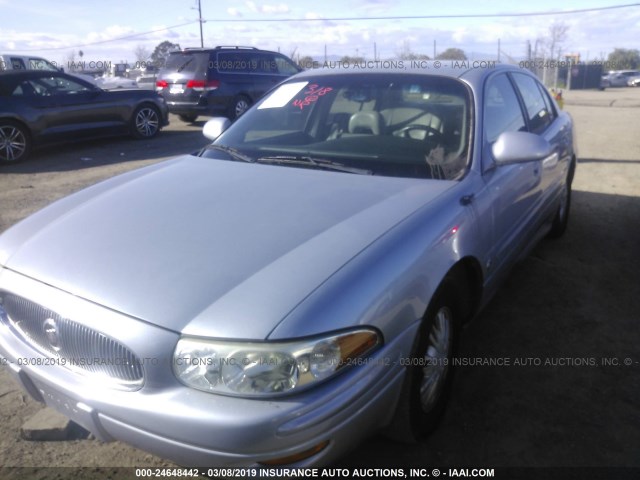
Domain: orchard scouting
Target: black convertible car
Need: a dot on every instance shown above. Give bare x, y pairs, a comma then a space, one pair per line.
40, 107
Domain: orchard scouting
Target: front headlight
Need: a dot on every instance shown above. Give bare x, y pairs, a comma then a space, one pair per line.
260, 369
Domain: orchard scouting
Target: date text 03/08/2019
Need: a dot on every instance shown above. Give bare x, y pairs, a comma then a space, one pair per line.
314, 472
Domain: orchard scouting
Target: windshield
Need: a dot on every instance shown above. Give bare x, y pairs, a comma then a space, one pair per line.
386, 124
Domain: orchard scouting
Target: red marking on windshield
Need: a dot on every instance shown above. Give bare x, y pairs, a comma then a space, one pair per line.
313, 93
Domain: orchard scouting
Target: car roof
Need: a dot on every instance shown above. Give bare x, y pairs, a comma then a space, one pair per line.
219, 48
460, 69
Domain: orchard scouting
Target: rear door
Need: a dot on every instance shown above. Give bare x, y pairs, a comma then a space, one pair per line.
543, 119
514, 191
239, 72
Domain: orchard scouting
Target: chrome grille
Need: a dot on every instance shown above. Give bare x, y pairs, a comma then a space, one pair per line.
83, 349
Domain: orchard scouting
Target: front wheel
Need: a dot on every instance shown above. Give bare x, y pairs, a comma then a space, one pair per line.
15, 142
145, 122
240, 105
188, 118
429, 371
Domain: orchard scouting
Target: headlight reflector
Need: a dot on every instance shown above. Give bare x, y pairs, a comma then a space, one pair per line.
265, 369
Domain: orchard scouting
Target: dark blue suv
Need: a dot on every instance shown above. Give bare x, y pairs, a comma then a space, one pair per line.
219, 81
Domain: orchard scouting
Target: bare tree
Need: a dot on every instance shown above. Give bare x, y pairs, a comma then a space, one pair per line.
141, 53
71, 61
556, 37
405, 53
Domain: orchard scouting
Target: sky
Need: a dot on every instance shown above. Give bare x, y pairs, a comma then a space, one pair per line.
111, 31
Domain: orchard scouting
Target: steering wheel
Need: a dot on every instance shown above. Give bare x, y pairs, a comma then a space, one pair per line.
429, 132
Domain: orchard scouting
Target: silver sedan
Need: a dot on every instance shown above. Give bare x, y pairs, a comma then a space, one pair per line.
301, 282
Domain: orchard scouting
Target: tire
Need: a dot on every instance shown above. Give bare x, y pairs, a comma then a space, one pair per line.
188, 118
428, 379
240, 105
15, 142
561, 220
145, 122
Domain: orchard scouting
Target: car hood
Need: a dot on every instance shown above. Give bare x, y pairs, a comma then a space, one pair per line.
210, 247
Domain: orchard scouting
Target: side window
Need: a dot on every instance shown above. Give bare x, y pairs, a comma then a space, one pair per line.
264, 63
41, 64
548, 103
58, 86
285, 67
539, 115
18, 64
502, 112
234, 62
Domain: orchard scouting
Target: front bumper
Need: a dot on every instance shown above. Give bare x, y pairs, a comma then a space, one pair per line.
195, 428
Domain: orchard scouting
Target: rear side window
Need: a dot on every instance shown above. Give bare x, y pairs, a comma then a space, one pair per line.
548, 103
502, 112
236, 62
254, 62
538, 112
18, 64
41, 64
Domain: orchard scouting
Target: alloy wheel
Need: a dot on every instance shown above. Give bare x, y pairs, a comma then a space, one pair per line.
147, 122
13, 143
434, 372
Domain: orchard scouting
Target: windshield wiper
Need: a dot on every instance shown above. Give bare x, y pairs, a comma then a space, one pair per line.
232, 152
184, 65
311, 162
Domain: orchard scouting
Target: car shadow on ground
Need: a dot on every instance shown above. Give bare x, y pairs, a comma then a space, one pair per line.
556, 383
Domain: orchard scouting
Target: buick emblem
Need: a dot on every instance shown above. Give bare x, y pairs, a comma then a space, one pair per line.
51, 332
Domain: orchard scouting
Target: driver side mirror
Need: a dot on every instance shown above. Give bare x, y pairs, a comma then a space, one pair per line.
214, 127
518, 147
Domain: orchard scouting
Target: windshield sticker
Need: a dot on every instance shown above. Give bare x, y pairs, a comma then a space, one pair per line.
283, 95
312, 94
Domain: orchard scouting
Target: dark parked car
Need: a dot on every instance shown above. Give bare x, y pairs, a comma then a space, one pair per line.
221, 80
42, 106
299, 284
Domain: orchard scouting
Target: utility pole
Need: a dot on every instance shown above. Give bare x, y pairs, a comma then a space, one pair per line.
200, 21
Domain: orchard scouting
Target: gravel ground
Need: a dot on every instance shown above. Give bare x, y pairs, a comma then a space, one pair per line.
566, 320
